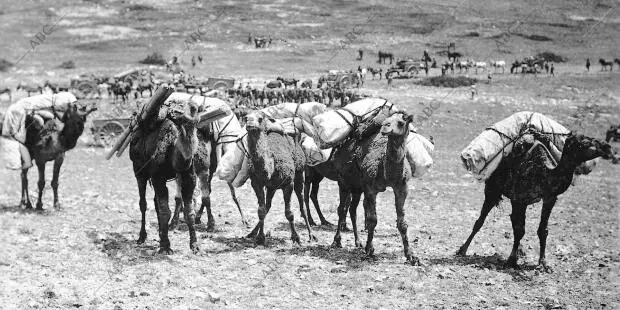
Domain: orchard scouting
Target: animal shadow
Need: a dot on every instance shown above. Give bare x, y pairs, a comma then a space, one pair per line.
122, 250
16, 208
494, 262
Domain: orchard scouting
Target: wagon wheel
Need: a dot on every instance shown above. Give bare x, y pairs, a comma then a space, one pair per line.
413, 71
109, 132
344, 82
220, 84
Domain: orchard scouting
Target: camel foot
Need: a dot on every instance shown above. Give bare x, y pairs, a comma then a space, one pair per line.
25, 205
358, 244
194, 247
39, 205
462, 251
259, 239
211, 226
370, 250
511, 263
295, 238
166, 251
142, 238
542, 267
311, 222
413, 261
57, 205
336, 243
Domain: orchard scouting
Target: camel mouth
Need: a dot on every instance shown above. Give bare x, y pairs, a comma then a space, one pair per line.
251, 126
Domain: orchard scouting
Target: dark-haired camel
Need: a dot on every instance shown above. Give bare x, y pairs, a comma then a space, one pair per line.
162, 150
604, 64
313, 175
528, 176
373, 164
50, 143
277, 162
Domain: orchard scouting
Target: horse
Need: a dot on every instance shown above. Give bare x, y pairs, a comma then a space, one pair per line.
29, 89
288, 81
498, 64
480, 65
121, 88
605, 64
384, 55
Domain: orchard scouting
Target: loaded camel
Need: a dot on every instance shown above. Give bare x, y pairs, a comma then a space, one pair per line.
277, 161
162, 150
50, 142
528, 176
373, 164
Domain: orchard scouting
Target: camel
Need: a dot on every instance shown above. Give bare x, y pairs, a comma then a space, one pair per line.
276, 162
385, 55
162, 150
613, 133
605, 64
122, 89
313, 175
373, 164
50, 143
55, 87
306, 84
527, 176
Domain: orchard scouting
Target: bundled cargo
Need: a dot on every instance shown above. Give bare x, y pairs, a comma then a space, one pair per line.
232, 160
484, 154
419, 151
332, 127
306, 111
314, 154
200, 101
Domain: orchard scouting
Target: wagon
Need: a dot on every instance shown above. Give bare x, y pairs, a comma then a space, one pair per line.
106, 131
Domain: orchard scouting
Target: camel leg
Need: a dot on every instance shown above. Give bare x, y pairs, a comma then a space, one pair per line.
355, 200
205, 187
518, 227
257, 233
41, 184
298, 187
490, 201
163, 213
313, 195
543, 232
309, 182
56, 174
25, 201
287, 192
188, 180
233, 194
178, 206
370, 200
142, 193
400, 195
342, 215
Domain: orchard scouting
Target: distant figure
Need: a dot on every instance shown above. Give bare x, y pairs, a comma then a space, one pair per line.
489, 78
434, 65
359, 69
360, 54
269, 41
250, 38
588, 64
552, 70
389, 80
547, 68
200, 58
426, 57
474, 91
193, 61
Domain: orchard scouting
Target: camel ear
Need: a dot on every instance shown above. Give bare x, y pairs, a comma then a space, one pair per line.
408, 118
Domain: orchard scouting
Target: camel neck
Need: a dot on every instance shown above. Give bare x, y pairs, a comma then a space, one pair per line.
254, 143
562, 176
184, 143
395, 154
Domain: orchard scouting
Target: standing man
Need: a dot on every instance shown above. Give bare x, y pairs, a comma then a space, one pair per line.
588, 64
250, 38
474, 91
552, 70
388, 76
361, 54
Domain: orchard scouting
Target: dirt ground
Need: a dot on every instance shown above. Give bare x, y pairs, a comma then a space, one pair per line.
85, 255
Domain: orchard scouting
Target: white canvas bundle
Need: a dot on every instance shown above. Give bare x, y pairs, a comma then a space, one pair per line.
419, 151
314, 155
304, 111
231, 162
11, 156
484, 154
333, 127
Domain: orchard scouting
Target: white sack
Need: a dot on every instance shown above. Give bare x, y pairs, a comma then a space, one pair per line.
419, 151
314, 155
11, 157
232, 161
305, 111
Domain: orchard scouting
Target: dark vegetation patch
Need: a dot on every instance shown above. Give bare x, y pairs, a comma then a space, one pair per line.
93, 46
67, 65
139, 8
552, 57
154, 59
534, 37
471, 34
448, 81
5, 65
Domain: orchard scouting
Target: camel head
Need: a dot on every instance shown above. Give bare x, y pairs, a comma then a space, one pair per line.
397, 124
75, 114
583, 148
257, 121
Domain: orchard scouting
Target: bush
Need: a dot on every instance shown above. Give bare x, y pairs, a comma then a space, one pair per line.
447, 81
5, 65
551, 57
67, 65
154, 59
140, 7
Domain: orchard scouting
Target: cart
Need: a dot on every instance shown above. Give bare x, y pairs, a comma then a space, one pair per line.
106, 131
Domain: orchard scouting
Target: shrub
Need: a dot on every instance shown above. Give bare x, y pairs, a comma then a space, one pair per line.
67, 65
552, 57
447, 81
154, 59
5, 65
